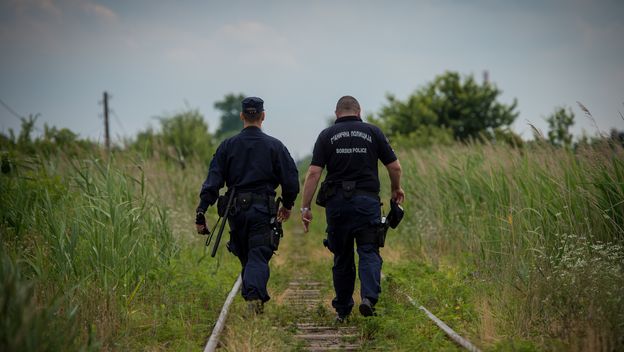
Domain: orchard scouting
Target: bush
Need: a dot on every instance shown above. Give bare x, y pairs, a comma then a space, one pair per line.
182, 136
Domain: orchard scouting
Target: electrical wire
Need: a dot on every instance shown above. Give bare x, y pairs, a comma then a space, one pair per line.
9, 109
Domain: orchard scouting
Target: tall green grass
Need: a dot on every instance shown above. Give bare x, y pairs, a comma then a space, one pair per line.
540, 232
79, 236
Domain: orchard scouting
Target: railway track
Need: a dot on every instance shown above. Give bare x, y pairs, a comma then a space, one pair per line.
305, 298
313, 329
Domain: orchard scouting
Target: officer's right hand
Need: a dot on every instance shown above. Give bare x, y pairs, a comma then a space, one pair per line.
200, 224
202, 229
306, 219
283, 214
398, 195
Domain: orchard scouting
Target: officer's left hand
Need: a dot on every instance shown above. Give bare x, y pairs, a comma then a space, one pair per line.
283, 214
306, 218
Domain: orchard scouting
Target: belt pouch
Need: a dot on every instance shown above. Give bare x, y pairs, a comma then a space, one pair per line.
244, 200
348, 188
326, 191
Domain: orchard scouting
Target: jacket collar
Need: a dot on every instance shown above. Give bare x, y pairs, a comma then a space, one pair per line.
251, 129
347, 118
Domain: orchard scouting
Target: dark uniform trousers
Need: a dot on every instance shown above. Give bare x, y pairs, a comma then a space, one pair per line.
249, 236
344, 218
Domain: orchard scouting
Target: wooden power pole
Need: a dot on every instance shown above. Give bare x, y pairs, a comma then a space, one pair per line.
106, 129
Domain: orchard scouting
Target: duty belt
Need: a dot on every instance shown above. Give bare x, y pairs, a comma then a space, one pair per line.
245, 200
249, 197
358, 192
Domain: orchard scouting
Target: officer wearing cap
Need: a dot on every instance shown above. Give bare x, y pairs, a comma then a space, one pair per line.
252, 164
350, 150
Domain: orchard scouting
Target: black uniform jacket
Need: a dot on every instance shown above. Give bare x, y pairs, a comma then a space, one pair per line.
350, 150
251, 161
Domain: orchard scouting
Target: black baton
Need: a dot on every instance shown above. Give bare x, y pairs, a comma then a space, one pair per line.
227, 210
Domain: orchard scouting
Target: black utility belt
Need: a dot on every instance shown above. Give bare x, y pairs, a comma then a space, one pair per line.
347, 189
242, 201
249, 198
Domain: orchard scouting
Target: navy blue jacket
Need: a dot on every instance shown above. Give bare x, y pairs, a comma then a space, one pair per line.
251, 161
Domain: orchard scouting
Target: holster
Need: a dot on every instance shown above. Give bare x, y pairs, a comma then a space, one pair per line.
276, 235
271, 237
276, 232
273, 232
326, 191
374, 234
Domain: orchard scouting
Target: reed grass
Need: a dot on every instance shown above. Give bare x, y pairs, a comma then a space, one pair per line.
82, 233
538, 230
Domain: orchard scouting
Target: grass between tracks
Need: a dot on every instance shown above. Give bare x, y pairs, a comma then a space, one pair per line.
399, 326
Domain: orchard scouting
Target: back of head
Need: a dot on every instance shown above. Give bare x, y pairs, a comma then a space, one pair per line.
252, 108
347, 105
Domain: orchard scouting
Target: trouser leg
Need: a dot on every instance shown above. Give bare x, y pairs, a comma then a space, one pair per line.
256, 274
369, 267
344, 281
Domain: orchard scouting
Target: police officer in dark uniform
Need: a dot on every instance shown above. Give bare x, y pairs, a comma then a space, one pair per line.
350, 193
252, 164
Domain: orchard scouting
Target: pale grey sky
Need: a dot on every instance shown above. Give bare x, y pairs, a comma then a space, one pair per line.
58, 56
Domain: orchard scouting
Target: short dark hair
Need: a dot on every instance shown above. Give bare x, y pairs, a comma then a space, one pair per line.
347, 104
252, 117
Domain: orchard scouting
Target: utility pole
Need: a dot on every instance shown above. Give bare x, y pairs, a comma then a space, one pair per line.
106, 130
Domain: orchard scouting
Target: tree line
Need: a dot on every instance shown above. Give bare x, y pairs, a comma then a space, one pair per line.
451, 108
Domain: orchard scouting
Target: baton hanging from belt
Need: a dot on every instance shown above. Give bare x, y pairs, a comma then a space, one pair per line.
227, 210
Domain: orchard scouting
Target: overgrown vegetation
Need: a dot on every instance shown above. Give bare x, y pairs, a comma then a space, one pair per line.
540, 232
181, 137
517, 245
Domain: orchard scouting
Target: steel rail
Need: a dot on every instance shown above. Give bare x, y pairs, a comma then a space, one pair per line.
449, 332
213, 341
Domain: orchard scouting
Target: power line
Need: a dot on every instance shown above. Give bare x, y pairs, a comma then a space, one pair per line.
20, 117
123, 130
8, 108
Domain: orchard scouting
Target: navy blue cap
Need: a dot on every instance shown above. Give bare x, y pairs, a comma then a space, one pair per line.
395, 215
252, 105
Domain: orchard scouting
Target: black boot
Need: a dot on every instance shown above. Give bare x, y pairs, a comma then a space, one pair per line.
367, 308
255, 307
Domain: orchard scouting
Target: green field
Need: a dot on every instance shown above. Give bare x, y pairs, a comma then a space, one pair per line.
516, 249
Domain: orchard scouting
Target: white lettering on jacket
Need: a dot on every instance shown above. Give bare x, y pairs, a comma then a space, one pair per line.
351, 150
356, 134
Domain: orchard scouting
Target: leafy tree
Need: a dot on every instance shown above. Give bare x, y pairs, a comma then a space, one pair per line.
559, 123
182, 136
230, 108
462, 105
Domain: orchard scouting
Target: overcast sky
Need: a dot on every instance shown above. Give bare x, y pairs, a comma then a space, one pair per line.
157, 58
